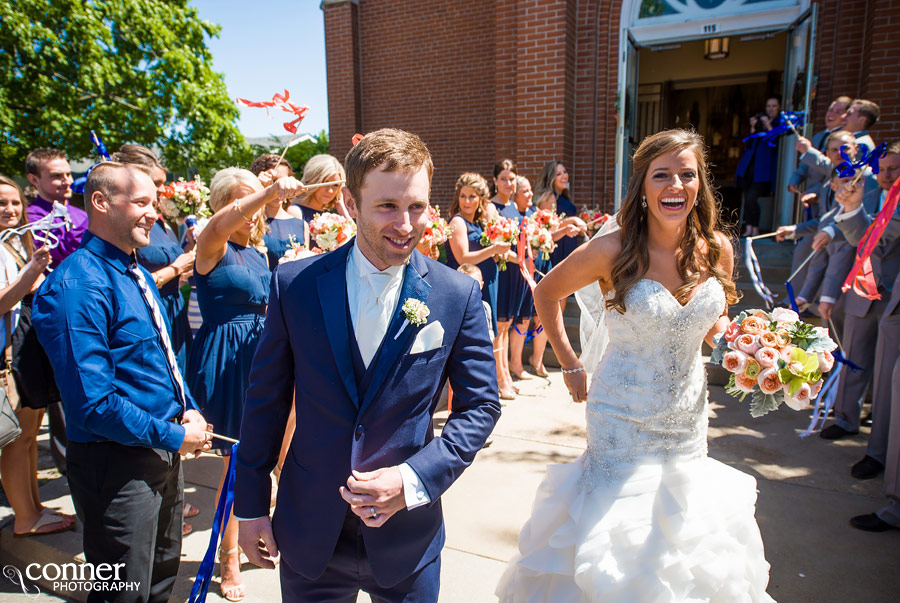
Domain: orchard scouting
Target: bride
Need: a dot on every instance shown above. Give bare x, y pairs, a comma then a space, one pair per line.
645, 515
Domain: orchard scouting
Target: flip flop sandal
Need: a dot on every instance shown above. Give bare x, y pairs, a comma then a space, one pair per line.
186, 529
47, 518
190, 510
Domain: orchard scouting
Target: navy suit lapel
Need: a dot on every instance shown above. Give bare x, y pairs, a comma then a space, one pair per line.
396, 341
332, 286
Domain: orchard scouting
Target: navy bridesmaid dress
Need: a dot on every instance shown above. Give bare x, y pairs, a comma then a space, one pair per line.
508, 294
488, 268
232, 298
567, 244
162, 251
278, 239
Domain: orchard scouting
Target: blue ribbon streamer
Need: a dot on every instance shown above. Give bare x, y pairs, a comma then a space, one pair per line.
787, 122
529, 335
78, 185
220, 521
838, 356
848, 167
791, 297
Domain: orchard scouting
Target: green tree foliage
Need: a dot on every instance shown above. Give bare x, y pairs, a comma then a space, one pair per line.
297, 155
132, 70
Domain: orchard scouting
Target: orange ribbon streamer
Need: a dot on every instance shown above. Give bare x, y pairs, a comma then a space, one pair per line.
862, 278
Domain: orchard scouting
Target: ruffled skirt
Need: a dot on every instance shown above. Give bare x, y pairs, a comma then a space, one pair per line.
683, 530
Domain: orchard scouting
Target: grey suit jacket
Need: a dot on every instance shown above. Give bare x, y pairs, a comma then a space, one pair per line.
814, 179
885, 257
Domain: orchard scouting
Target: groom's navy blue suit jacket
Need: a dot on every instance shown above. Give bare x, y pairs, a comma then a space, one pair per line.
305, 353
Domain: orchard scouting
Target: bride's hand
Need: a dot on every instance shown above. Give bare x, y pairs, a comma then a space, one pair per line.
576, 382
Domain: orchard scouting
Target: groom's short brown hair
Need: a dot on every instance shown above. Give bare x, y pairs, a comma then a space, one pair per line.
395, 149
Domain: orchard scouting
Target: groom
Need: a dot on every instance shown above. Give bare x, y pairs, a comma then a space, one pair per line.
347, 337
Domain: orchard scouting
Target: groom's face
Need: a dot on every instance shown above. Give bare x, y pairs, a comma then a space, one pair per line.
391, 213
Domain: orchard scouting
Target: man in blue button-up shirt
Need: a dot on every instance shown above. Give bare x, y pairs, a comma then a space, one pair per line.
128, 418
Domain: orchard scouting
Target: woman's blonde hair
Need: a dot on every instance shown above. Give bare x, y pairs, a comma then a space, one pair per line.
702, 223
223, 190
316, 171
27, 240
480, 186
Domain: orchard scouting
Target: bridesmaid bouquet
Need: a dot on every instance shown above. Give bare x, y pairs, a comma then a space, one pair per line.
437, 231
774, 357
330, 231
594, 219
184, 198
538, 230
500, 230
296, 251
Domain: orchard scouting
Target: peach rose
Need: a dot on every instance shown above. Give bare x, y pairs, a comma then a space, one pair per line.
753, 369
732, 331
800, 399
816, 388
735, 361
747, 343
744, 383
753, 325
767, 357
768, 381
826, 361
784, 338
768, 339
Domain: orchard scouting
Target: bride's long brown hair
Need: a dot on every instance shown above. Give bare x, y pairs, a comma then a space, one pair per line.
634, 260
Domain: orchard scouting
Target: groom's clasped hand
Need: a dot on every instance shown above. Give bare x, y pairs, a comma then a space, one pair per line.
375, 496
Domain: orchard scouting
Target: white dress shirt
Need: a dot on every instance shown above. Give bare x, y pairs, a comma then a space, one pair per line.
373, 296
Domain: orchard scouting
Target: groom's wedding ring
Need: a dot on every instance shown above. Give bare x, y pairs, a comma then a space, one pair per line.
374, 513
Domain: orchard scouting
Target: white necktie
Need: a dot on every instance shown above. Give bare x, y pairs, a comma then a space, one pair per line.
374, 316
160, 324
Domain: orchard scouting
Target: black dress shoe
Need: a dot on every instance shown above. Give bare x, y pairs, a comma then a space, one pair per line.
867, 468
871, 523
866, 420
835, 432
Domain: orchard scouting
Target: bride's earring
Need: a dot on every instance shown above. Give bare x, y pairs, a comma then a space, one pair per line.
644, 201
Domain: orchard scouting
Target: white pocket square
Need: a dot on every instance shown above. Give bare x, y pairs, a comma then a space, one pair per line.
429, 338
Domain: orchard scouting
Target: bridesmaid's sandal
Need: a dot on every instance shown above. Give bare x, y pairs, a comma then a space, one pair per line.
231, 592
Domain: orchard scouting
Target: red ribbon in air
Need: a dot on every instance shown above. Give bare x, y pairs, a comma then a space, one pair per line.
356, 139
526, 260
280, 101
861, 277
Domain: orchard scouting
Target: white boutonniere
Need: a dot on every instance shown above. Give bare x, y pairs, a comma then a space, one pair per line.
415, 312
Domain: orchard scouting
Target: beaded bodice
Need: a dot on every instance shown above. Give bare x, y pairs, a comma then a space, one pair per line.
648, 394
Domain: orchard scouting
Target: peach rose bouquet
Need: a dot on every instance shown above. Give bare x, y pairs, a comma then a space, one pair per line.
775, 358
500, 230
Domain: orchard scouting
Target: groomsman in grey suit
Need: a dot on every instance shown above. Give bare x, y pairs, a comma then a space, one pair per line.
884, 443
864, 324
862, 115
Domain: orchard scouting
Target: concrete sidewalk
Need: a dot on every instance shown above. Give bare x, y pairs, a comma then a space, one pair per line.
806, 499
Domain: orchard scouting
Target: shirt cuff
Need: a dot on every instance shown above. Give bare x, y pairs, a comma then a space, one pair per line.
842, 215
830, 230
414, 492
827, 299
248, 518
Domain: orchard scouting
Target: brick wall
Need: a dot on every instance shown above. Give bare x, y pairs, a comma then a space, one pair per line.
537, 79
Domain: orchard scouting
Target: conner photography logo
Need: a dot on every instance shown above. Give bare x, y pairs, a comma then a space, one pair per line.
71, 577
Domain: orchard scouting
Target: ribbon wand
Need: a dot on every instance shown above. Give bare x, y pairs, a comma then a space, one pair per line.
790, 288
224, 438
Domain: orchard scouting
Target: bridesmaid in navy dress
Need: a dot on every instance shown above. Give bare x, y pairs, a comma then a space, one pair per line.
553, 194
284, 229
319, 169
504, 189
233, 289
468, 210
522, 308
167, 263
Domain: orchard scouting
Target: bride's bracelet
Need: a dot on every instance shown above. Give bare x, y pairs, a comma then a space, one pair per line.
580, 369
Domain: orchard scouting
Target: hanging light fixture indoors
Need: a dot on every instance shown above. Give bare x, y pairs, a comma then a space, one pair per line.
715, 48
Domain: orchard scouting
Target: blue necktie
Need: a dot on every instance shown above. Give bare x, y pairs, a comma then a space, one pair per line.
160, 324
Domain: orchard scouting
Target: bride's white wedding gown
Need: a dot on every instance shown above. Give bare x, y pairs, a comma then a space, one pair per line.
645, 516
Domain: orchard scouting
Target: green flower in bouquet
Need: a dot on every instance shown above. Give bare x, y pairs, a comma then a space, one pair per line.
801, 368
